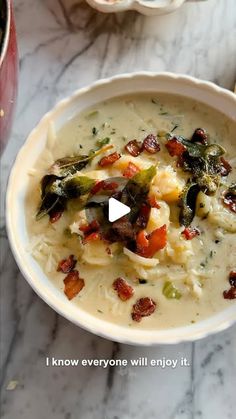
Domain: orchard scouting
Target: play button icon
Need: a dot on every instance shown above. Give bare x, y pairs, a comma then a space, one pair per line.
116, 210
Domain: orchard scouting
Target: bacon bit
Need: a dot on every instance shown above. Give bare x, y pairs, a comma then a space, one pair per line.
134, 148
142, 308
55, 216
73, 284
110, 186
90, 228
97, 187
190, 233
148, 245
229, 200
230, 294
67, 265
103, 185
153, 202
124, 290
142, 241
226, 168
110, 159
232, 279
143, 216
150, 144
92, 237
200, 136
131, 170
175, 147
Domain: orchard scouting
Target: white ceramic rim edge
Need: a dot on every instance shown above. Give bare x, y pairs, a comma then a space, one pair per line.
137, 5
144, 337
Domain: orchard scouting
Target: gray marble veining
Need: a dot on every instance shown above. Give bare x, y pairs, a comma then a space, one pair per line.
64, 45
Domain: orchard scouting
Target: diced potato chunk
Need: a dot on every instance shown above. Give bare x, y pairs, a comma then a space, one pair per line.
222, 217
158, 217
79, 219
95, 253
203, 205
178, 249
166, 185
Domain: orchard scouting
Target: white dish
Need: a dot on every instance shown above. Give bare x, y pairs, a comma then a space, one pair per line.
205, 92
148, 7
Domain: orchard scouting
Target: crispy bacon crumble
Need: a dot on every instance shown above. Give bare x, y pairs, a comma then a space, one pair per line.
90, 228
67, 265
124, 290
150, 144
153, 202
54, 216
131, 170
231, 293
190, 232
175, 147
73, 284
110, 159
142, 308
148, 245
134, 147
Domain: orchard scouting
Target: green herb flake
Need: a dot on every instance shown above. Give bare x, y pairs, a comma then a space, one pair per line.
104, 141
144, 177
170, 291
204, 163
188, 204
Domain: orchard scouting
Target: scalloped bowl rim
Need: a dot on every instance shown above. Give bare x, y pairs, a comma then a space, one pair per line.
16, 190
138, 5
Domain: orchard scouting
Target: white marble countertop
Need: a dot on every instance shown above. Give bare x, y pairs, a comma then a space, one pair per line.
64, 44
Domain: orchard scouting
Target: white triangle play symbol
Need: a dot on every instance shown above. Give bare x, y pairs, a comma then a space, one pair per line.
116, 210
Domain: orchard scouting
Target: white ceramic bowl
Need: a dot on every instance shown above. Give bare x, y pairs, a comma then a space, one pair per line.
146, 7
205, 92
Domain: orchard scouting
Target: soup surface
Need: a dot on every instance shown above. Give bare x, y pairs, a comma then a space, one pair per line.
171, 260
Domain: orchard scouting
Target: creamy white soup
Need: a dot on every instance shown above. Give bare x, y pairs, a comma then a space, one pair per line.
171, 261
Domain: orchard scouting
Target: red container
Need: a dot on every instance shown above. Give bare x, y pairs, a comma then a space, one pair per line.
8, 71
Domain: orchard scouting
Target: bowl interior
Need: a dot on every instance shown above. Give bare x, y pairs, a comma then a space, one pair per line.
207, 93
